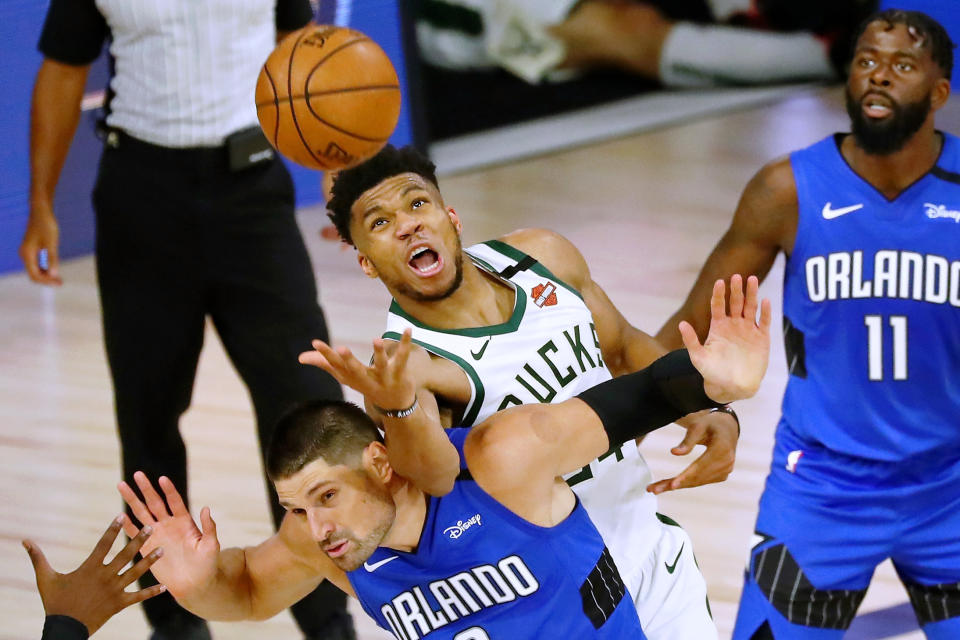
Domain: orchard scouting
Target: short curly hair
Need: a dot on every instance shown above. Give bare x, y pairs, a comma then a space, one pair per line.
935, 38
351, 183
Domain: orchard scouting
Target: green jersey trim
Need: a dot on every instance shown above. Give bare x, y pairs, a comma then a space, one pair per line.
519, 307
515, 254
473, 409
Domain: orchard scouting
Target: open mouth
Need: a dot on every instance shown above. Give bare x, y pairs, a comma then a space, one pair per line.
425, 261
337, 549
877, 106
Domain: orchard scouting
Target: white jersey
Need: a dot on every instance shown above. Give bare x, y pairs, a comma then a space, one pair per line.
547, 351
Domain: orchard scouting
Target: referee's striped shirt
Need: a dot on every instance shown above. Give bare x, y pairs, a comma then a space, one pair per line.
185, 70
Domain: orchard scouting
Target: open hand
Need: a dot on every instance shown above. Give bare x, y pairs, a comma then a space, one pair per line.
387, 382
733, 358
190, 554
94, 591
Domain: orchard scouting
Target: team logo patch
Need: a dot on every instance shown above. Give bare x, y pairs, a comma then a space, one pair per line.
544, 295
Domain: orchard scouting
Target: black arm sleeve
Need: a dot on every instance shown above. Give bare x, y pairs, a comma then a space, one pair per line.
64, 628
74, 32
293, 14
636, 404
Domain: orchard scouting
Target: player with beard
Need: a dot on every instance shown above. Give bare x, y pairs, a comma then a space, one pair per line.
866, 463
520, 320
508, 552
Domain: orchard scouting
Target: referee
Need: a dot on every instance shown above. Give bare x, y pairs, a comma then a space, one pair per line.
194, 216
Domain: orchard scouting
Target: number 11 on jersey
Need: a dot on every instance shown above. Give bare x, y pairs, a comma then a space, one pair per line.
875, 346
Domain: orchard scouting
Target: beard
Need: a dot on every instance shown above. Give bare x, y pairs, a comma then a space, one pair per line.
890, 134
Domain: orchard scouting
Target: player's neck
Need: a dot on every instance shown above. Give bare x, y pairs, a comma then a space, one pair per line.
411, 504
481, 300
892, 173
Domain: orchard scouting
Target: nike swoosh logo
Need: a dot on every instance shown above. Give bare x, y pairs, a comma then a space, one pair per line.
478, 355
672, 567
376, 565
830, 214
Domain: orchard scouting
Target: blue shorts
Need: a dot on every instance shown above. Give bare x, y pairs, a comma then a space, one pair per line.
827, 520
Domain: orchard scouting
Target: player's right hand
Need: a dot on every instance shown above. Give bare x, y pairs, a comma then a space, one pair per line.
190, 554
42, 233
387, 382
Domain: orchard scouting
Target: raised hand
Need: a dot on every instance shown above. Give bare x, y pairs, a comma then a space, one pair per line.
733, 358
387, 383
95, 591
190, 554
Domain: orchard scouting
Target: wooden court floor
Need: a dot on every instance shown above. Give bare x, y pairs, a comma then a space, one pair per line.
645, 211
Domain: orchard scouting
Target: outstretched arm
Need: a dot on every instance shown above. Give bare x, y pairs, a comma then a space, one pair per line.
626, 349
764, 224
551, 440
394, 383
253, 583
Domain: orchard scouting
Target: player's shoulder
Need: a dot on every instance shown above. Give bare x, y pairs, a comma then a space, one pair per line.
776, 177
553, 250
772, 191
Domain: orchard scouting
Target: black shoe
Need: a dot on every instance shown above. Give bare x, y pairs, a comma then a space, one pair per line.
182, 630
340, 627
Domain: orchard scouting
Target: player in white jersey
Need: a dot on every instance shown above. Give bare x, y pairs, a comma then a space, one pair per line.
515, 321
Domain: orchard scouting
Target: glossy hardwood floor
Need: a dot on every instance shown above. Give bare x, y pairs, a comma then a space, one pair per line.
644, 210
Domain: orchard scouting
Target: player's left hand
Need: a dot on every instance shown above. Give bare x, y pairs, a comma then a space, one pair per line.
733, 358
719, 433
94, 591
387, 382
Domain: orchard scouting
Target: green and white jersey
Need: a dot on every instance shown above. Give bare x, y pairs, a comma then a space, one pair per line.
547, 351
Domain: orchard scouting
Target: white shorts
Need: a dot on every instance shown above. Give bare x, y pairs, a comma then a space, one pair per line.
672, 601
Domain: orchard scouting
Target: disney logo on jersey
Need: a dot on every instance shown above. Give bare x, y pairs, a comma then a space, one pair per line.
544, 295
934, 211
458, 529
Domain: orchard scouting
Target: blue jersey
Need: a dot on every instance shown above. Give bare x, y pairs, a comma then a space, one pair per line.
480, 571
872, 311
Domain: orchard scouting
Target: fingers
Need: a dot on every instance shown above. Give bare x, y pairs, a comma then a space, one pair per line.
106, 541
144, 594
690, 339
750, 304
736, 296
174, 501
660, 486
41, 567
133, 573
692, 438
718, 304
207, 525
53, 265
136, 506
129, 528
129, 552
766, 315
403, 351
380, 358
154, 502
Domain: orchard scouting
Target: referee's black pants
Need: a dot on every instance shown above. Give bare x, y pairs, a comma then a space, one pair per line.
180, 237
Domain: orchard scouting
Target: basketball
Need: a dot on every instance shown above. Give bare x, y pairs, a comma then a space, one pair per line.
328, 97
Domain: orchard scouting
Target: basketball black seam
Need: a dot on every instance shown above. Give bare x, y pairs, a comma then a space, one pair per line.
372, 87
293, 112
276, 103
327, 57
343, 131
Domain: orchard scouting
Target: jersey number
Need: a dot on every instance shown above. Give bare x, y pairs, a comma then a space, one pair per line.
473, 633
875, 346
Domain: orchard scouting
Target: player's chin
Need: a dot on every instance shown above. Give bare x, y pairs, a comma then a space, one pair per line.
352, 559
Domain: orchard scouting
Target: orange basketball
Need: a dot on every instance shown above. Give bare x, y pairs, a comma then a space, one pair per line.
328, 97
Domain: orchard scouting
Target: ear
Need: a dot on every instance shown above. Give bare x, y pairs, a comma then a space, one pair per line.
367, 265
376, 461
455, 219
940, 94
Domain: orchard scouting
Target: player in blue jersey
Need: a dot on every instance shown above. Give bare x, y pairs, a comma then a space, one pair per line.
866, 464
509, 553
